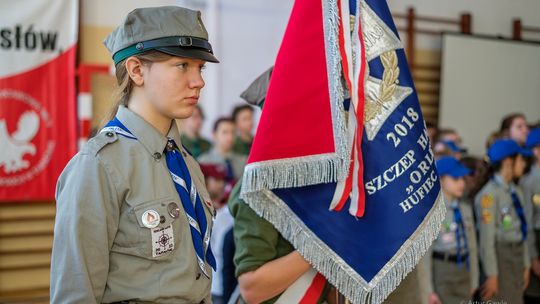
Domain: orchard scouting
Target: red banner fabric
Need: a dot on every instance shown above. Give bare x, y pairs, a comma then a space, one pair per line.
297, 119
37, 99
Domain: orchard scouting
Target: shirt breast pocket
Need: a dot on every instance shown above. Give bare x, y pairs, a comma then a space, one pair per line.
151, 229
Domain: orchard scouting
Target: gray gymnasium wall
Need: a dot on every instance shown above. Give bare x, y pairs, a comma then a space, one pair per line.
482, 80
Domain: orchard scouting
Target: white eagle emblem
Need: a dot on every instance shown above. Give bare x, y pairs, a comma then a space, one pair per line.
15, 146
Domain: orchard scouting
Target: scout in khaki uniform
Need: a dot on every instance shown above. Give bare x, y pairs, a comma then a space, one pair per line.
530, 184
503, 227
454, 261
133, 216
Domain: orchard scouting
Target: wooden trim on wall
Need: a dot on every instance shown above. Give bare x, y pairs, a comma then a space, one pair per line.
518, 29
414, 25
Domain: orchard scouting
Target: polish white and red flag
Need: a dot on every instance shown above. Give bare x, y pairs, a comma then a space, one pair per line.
38, 46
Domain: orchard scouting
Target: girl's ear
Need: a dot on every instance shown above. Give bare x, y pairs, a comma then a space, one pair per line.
134, 68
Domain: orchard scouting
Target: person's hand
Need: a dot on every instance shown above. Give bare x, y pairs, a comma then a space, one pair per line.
526, 277
433, 298
536, 266
490, 288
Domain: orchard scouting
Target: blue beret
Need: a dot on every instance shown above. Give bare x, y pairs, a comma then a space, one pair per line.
533, 139
503, 148
448, 165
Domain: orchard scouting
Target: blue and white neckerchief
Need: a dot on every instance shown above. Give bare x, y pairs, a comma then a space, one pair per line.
517, 206
118, 127
460, 235
521, 214
189, 197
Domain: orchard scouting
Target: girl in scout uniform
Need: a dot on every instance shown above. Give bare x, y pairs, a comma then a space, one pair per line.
454, 261
133, 216
503, 227
515, 126
530, 184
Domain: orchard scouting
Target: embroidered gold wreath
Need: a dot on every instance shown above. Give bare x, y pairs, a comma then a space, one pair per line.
389, 83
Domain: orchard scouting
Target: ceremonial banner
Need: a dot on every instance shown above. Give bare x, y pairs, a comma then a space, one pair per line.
342, 129
38, 42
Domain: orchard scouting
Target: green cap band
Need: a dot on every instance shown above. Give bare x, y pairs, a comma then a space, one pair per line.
155, 44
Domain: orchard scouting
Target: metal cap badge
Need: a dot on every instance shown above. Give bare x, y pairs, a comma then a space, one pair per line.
174, 210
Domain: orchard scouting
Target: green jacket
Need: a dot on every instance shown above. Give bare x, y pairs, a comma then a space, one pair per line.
257, 241
196, 146
241, 147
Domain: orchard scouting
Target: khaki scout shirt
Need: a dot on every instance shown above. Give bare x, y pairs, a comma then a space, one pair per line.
446, 242
102, 252
530, 184
492, 204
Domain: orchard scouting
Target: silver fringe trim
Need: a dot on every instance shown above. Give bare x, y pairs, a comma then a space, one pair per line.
337, 272
291, 172
314, 169
335, 83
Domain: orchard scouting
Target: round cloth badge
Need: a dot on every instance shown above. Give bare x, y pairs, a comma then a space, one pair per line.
507, 221
150, 219
536, 199
446, 226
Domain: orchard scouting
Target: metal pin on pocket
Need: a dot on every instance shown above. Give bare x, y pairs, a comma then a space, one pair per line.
174, 210
150, 219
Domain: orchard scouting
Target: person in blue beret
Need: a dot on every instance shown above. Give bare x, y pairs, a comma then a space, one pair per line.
530, 184
503, 228
453, 264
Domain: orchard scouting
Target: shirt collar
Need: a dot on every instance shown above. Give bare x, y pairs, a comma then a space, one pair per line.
501, 182
147, 135
216, 154
535, 170
449, 203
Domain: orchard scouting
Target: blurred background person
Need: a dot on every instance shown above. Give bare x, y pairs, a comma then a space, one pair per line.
476, 178
514, 126
492, 137
222, 152
433, 132
191, 133
449, 148
453, 263
530, 184
503, 227
243, 120
449, 134
215, 175
448, 143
